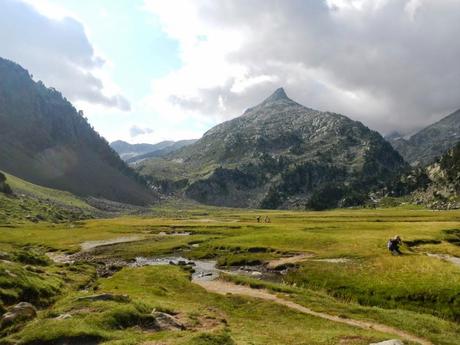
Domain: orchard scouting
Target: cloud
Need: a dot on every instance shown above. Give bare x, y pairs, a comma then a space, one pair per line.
392, 64
56, 51
135, 131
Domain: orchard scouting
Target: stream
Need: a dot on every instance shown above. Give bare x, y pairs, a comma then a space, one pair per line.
203, 270
206, 270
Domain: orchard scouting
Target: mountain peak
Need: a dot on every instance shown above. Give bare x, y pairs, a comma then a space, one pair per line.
278, 95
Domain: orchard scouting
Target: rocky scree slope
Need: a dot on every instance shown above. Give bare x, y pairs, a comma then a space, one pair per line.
280, 154
44, 140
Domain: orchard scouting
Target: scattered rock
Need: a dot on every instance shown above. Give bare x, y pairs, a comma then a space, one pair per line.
64, 316
105, 297
389, 342
166, 321
19, 312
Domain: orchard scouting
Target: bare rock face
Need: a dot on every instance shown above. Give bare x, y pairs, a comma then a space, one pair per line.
19, 312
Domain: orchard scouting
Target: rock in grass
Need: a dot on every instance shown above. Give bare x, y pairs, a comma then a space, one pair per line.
166, 321
64, 316
19, 312
105, 297
389, 342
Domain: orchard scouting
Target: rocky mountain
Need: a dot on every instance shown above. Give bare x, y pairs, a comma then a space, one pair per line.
126, 150
431, 142
174, 146
45, 140
280, 154
132, 153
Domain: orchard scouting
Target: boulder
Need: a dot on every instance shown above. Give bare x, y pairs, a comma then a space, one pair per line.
389, 342
166, 321
19, 312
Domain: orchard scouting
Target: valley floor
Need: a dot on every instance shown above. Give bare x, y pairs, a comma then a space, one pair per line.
217, 276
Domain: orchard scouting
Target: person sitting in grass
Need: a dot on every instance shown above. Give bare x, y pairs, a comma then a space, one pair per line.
393, 245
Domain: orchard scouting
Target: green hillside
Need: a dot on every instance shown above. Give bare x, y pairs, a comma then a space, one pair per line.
32, 203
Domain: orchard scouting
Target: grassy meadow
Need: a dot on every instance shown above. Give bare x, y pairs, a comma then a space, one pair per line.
413, 292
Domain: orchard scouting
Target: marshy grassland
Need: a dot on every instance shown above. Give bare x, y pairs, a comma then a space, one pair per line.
346, 271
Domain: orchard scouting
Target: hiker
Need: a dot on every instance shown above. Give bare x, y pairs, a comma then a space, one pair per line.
258, 219
393, 245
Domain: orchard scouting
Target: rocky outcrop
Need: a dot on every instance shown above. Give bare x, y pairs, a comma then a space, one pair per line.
22, 311
167, 322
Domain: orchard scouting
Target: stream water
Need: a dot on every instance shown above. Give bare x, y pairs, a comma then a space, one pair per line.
203, 269
206, 270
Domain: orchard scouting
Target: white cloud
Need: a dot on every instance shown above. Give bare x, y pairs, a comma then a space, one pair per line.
135, 131
392, 64
55, 48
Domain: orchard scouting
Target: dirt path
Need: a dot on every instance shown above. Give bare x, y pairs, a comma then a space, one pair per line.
223, 288
288, 260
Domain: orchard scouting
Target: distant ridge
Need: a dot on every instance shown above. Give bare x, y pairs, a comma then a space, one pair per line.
431, 142
132, 153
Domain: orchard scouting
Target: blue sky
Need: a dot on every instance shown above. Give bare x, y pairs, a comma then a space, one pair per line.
151, 70
132, 41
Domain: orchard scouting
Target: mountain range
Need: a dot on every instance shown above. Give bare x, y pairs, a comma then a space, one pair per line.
132, 153
45, 140
277, 154
280, 154
429, 143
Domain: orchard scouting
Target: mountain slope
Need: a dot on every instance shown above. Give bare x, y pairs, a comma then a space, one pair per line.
281, 154
44, 140
423, 147
126, 150
132, 153
174, 146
